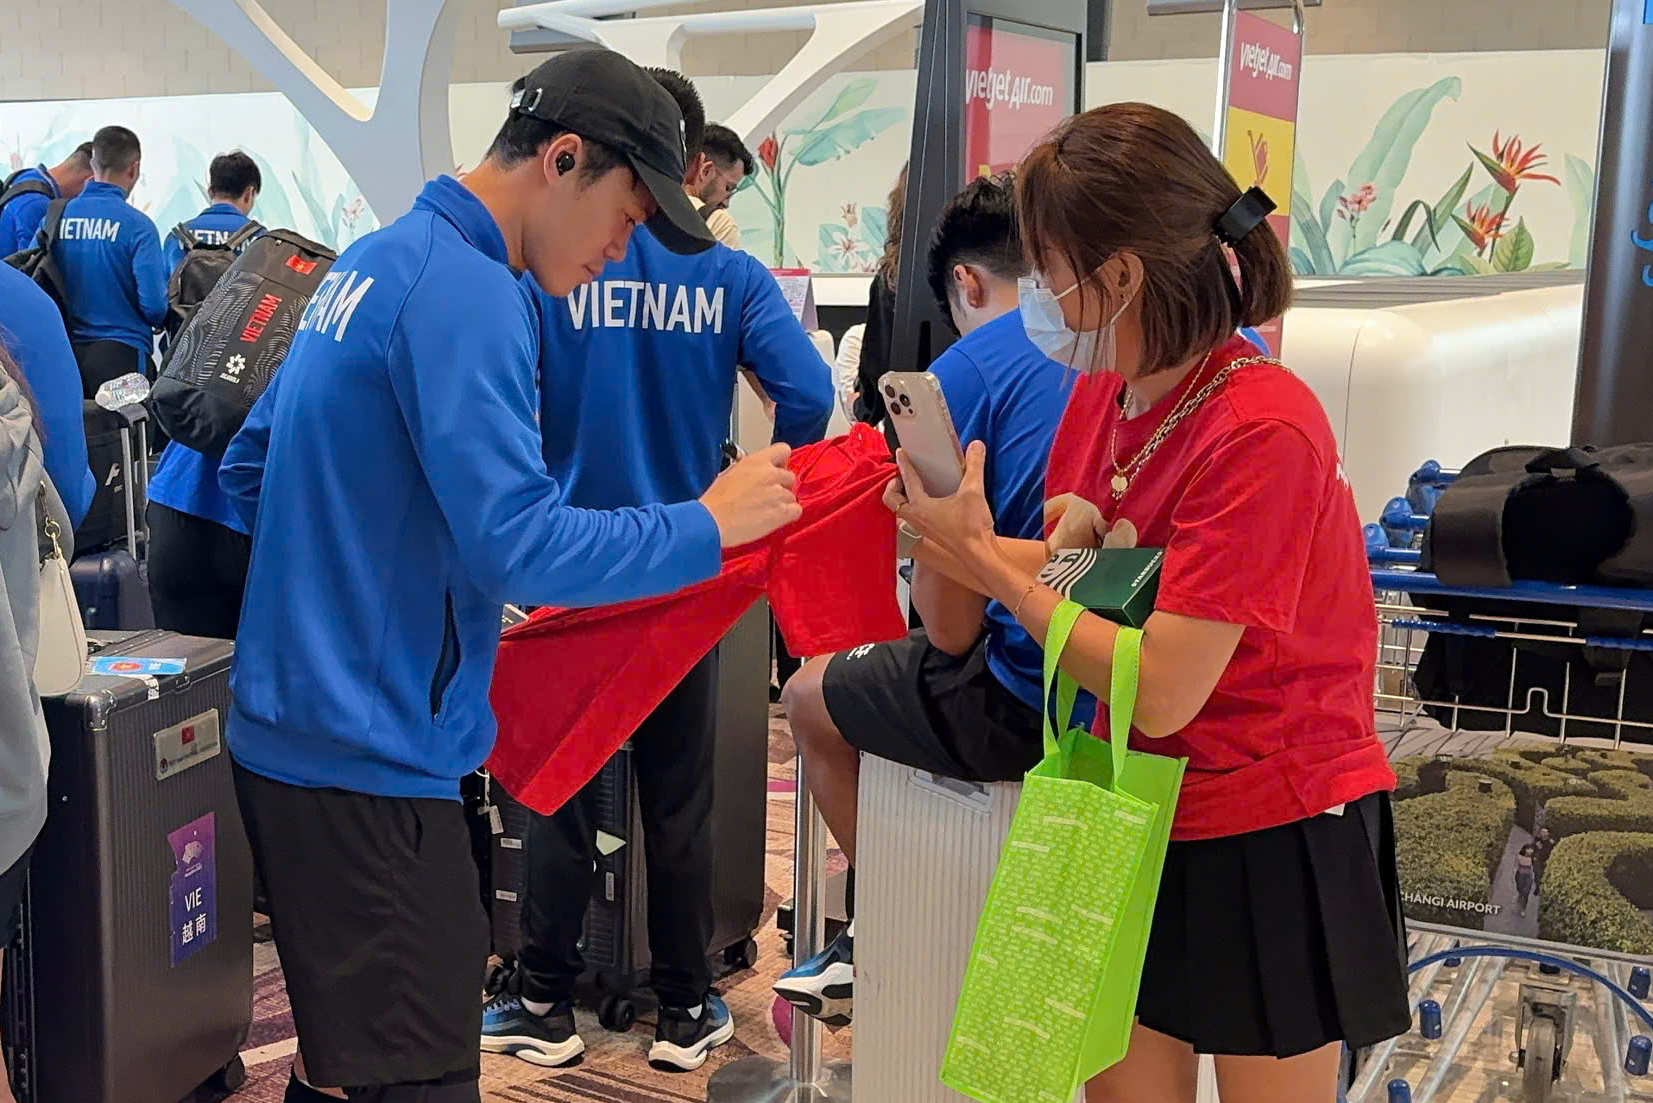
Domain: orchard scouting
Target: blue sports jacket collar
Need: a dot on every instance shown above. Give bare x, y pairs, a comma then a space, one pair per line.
51, 181
455, 202
98, 187
222, 208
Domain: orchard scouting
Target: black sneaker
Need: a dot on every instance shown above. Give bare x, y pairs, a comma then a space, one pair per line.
682, 1040
548, 1040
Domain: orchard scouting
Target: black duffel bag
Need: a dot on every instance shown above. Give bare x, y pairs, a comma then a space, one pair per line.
225, 354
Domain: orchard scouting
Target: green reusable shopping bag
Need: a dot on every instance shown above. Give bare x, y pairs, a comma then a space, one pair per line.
1049, 997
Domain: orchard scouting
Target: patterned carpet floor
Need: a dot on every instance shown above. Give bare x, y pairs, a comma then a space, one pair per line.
614, 1066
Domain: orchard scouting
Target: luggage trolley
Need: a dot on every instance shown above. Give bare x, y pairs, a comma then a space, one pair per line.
1526, 867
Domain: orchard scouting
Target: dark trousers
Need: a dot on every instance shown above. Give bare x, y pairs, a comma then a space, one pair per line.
197, 573
672, 754
101, 361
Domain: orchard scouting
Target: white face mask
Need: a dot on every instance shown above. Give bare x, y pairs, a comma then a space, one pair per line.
1089, 352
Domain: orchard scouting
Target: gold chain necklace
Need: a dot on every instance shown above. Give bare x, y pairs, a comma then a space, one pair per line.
1124, 473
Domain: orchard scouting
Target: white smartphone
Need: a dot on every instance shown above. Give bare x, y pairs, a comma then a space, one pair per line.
925, 429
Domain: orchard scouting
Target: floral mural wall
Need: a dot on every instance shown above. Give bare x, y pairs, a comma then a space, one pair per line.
1405, 165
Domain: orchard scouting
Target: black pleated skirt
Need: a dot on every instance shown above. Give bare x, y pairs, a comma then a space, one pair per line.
1279, 942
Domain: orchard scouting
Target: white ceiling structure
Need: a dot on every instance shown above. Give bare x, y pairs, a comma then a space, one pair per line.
403, 140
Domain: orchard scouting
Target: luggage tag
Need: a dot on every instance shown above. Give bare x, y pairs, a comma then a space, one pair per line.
123, 666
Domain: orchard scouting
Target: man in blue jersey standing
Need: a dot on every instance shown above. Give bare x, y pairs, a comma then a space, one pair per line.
637, 378
392, 479
198, 544
962, 696
30, 191
233, 184
110, 257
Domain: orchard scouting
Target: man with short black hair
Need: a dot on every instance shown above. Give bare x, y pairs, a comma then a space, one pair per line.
716, 175
636, 390
393, 482
110, 257
233, 184
29, 192
962, 696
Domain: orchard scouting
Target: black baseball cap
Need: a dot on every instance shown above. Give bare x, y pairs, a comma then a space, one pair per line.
600, 95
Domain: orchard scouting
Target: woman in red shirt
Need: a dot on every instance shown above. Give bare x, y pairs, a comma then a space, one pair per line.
1278, 934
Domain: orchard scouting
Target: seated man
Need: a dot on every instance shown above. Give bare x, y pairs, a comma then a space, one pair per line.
962, 696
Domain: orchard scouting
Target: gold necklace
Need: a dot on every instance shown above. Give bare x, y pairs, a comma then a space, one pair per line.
1124, 473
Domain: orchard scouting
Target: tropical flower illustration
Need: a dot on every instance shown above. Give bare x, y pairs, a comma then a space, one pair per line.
850, 216
1355, 204
1480, 226
769, 151
1510, 163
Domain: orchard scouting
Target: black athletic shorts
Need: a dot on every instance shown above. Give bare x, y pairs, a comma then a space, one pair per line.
912, 703
378, 920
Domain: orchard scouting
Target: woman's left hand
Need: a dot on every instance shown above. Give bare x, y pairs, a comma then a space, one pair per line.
962, 523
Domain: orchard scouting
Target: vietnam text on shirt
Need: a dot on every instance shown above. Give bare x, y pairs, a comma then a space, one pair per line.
648, 354
110, 256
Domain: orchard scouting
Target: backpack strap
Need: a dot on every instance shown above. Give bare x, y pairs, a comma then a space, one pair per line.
185, 238
1464, 544
46, 240
21, 188
1632, 565
245, 234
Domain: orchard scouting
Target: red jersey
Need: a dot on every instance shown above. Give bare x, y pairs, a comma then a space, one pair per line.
1250, 502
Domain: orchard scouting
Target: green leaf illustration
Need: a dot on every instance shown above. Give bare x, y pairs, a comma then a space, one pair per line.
821, 146
1307, 236
1428, 232
1392, 258
853, 95
1328, 205
1513, 252
1387, 156
1445, 207
1452, 236
1474, 265
1581, 192
1301, 265
875, 227
1551, 266
1494, 169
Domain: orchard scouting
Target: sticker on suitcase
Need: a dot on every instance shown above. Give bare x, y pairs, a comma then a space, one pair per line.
191, 743
194, 889
123, 666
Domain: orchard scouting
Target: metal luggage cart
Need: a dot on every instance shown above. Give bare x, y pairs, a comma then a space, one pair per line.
1494, 965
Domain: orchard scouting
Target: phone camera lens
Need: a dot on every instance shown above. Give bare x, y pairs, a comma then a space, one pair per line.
906, 401
889, 392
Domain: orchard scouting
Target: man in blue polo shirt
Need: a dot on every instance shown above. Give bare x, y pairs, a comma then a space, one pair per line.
961, 697
233, 184
198, 544
110, 257
30, 191
637, 381
393, 482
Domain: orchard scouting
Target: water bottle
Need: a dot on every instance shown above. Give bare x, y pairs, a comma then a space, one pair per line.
1640, 981
128, 390
1635, 1060
1429, 1019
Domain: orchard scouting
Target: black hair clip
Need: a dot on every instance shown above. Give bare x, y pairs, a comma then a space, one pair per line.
1244, 216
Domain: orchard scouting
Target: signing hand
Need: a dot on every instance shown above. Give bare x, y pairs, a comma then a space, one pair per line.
1079, 524
961, 524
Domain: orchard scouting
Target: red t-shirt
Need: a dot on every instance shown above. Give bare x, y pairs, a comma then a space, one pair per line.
571, 685
1250, 502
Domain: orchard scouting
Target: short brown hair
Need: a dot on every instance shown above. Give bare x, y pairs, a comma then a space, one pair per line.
1131, 177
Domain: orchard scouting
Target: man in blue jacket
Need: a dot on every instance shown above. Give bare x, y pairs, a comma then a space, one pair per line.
32, 331
29, 192
392, 479
198, 544
961, 697
638, 371
233, 184
110, 257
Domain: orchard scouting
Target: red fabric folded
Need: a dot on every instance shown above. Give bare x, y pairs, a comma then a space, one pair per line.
571, 685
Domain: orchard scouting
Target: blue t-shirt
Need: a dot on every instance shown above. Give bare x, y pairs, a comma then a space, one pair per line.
1003, 391
393, 481
32, 331
213, 226
110, 256
23, 215
638, 372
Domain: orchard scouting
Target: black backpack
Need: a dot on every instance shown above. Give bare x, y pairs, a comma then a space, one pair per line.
1575, 516
204, 264
37, 262
13, 188
229, 348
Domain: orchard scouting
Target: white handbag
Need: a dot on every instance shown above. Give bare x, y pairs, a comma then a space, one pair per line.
60, 659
